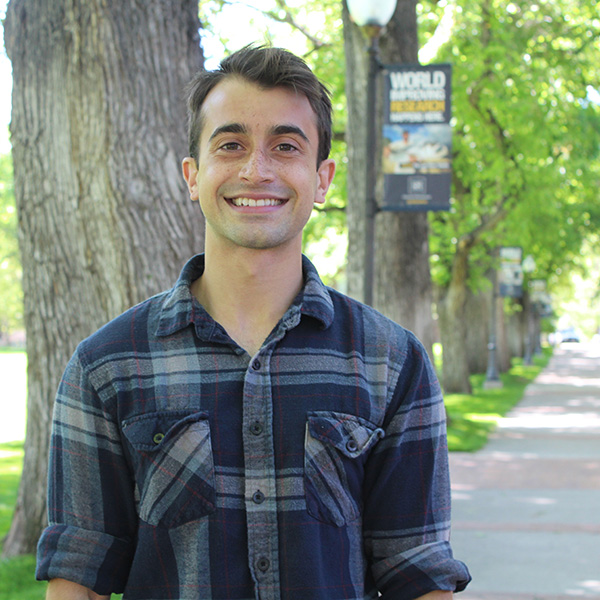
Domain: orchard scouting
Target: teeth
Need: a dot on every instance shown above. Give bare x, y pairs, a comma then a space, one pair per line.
261, 202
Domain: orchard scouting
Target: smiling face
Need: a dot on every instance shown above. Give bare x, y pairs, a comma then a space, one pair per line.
257, 177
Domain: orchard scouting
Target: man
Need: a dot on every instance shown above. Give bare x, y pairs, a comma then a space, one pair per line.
251, 433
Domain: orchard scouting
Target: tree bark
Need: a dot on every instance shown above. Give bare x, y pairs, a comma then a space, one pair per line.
517, 330
98, 131
504, 355
477, 312
402, 287
453, 327
356, 140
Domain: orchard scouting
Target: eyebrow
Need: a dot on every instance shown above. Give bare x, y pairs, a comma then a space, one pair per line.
239, 128
289, 130
229, 128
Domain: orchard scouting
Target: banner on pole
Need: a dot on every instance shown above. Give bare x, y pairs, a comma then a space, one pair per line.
511, 272
540, 298
417, 138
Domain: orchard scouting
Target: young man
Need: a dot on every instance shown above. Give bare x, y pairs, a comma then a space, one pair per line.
251, 433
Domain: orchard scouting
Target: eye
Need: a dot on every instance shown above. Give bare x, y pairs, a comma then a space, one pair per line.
230, 146
286, 147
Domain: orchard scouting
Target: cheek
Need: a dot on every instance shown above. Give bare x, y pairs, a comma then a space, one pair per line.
305, 180
210, 178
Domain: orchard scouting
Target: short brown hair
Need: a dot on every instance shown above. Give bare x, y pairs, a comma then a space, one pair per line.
269, 68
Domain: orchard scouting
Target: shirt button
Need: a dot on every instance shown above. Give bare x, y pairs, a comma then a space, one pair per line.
352, 446
263, 564
256, 428
256, 365
158, 438
258, 497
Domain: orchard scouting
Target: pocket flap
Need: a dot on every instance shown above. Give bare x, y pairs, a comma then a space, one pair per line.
351, 435
150, 432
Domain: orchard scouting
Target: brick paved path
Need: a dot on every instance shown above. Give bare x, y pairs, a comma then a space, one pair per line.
526, 509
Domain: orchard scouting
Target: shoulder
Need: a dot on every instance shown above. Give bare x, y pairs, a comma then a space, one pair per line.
130, 331
377, 341
390, 356
352, 315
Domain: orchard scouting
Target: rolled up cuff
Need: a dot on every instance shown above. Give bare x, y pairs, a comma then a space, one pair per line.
93, 559
419, 571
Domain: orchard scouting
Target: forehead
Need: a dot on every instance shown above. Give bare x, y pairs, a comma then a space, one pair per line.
236, 100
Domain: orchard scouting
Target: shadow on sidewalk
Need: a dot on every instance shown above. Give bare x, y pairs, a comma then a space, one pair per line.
526, 508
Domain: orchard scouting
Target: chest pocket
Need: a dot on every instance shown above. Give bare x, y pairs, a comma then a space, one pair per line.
174, 468
335, 451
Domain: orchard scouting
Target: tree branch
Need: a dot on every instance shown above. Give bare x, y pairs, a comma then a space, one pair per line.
330, 209
287, 18
290, 20
488, 223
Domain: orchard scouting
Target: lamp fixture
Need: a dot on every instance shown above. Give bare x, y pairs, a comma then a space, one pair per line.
371, 13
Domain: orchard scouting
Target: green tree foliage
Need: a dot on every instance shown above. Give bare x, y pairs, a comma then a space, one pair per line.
579, 292
11, 293
526, 144
525, 168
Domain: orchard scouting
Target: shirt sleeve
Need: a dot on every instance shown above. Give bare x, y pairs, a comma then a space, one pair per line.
91, 508
407, 499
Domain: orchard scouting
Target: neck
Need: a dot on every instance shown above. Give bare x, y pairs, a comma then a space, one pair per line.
248, 291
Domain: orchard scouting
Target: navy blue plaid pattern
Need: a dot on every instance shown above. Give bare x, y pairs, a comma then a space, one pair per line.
182, 468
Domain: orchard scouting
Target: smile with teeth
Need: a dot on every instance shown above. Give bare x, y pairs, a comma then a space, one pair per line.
252, 202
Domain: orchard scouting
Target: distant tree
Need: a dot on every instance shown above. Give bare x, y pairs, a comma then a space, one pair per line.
523, 133
98, 132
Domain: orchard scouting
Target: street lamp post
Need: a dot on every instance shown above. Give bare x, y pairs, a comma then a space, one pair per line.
528, 267
371, 16
492, 377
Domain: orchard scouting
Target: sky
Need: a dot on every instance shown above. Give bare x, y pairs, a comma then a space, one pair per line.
244, 23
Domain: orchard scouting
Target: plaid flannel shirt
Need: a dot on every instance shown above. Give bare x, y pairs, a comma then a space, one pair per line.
181, 467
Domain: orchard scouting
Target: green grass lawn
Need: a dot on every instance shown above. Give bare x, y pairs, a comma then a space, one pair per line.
17, 581
472, 418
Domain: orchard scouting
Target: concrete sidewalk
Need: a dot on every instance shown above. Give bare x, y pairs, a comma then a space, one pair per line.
526, 509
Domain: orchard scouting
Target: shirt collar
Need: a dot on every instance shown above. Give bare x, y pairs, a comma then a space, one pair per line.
315, 297
180, 308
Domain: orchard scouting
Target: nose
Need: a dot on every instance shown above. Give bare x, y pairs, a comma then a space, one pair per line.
257, 167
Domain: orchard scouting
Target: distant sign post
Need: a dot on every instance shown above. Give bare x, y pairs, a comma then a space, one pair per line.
511, 272
417, 138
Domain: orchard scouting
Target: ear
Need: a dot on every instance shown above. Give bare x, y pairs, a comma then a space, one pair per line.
190, 174
325, 174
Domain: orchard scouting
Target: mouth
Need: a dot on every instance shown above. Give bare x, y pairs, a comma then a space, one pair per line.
252, 202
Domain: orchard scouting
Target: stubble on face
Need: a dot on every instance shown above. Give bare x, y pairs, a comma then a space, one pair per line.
256, 178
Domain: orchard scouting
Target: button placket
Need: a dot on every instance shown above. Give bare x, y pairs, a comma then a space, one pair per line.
260, 486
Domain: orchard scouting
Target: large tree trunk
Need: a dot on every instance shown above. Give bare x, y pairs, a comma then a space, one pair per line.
477, 312
503, 354
402, 287
515, 331
453, 327
98, 132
